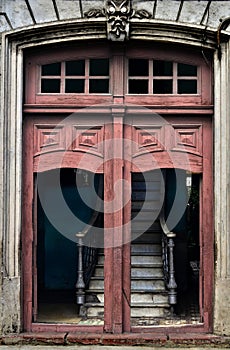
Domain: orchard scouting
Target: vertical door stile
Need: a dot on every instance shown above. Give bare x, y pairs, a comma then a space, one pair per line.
118, 163
35, 239
108, 238
126, 266
27, 233
201, 240
118, 221
207, 225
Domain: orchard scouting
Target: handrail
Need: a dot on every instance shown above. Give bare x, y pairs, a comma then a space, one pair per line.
164, 227
168, 260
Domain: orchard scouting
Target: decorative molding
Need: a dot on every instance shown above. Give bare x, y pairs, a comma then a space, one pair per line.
85, 138
188, 139
118, 14
48, 138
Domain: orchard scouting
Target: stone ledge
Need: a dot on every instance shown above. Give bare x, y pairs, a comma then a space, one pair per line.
173, 340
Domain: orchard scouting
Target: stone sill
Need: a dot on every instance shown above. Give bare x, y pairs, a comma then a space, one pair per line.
173, 340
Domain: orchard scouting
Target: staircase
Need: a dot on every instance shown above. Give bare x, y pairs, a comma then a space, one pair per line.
149, 298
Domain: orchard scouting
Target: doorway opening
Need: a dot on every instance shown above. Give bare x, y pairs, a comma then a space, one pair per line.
57, 252
179, 203
183, 189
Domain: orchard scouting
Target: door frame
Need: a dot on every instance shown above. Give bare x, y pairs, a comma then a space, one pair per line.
118, 320
117, 315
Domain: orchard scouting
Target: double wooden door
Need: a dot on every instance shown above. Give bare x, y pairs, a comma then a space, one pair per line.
116, 142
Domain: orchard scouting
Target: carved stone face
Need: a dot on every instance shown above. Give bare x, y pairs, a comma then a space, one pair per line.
118, 15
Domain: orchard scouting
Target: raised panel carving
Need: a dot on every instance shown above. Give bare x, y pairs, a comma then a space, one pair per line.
148, 139
188, 139
48, 138
88, 139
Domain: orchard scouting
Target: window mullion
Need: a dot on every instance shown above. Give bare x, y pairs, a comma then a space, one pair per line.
87, 76
62, 88
175, 78
150, 77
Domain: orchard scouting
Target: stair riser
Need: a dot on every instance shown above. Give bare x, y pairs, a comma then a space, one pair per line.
148, 177
140, 224
95, 311
99, 272
153, 205
156, 299
140, 259
147, 196
147, 285
148, 312
146, 272
146, 248
96, 284
152, 186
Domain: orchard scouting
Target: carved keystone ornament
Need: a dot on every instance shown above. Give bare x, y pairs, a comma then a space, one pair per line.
118, 14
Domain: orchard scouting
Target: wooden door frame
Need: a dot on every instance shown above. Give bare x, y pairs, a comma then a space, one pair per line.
115, 278
117, 315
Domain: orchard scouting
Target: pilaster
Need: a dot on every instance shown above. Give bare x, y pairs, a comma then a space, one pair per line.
221, 190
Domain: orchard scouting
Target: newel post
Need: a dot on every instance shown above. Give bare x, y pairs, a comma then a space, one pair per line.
80, 285
172, 282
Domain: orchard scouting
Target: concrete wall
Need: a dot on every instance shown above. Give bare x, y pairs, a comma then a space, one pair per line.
27, 23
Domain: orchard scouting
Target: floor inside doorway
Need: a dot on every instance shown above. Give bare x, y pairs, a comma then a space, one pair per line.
59, 307
63, 313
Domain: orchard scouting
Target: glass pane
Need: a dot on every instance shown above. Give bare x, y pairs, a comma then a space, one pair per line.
162, 68
51, 69
138, 86
187, 86
99, 66
187, 70
75, 67
99, 85
138, 67
75, 85
162, 86
50, 85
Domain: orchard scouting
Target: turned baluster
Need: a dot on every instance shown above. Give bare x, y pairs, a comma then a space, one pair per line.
80, 285
172, 282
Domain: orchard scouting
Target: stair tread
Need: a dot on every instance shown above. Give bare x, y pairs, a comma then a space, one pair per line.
153, 291
151, 210
147, 278
148, 230
94, 304
156, 291
134, 304
153, 265
146, 254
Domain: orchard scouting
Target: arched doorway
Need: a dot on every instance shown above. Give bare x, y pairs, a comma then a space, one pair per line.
117, 138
